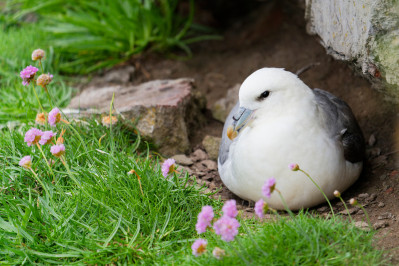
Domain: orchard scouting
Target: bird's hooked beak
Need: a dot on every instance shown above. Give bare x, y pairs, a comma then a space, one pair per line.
241, 120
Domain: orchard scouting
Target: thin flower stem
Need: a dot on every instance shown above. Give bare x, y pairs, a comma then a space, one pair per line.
346, 207
249, 234
138, 178
285, 203
365, 212
41, 183
48, 97
41, 66
44, 156
37, 97
238, 253
328, 201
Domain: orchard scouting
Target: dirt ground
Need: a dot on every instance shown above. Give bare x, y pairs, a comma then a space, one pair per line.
275, 36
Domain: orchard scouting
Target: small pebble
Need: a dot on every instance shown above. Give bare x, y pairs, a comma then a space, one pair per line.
323, 209
182, 159
363, 195
362, 225
210, 165
199, 155
372, 197
380, 224
383, 177
372, 140
381, 204
351, 211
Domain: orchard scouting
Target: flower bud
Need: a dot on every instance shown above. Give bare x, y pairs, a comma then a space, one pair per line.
337, 194
37, 54
353, 201
294, 167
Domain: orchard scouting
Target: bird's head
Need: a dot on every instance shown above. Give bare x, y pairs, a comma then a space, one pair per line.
264, 90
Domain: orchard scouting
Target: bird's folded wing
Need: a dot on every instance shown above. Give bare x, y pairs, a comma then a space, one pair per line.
342, 124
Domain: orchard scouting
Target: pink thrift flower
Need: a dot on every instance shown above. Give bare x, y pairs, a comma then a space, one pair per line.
54, 117
26, 162
261, 208
57, 150
27, 74
199, 247
47, 137
168, 167
33, 136
37, 54
204, 219
227, 228
230, 208
218, 253
268, 187
294, 167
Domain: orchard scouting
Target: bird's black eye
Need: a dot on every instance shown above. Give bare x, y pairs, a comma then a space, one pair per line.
264, 95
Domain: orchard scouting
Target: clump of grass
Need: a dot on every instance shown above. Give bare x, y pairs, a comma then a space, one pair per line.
17, 102
302, 240
95, 34
104, 218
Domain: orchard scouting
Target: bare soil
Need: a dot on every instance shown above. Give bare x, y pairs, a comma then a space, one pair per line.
275, 36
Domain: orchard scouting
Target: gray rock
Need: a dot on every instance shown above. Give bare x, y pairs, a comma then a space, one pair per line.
182, 159
211, 145
222, 107
381, 204
165, 111
363, 32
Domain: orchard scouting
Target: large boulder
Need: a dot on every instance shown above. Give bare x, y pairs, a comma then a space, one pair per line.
365, 32
165, 111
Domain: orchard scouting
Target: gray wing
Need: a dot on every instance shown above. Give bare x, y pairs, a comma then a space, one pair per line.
341, 123
226, 142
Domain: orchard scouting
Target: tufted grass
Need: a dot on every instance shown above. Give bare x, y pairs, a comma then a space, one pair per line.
94, 34
94, 213
17, 102
303, 240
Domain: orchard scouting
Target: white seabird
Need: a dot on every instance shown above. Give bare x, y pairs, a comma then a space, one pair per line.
279, 120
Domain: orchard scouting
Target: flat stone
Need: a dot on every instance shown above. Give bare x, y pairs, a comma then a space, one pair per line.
211, 145
182, 159
163, 111
199, 155
323, 209
386, 215
351, 211
221, 108
362, 225
380, 224
210, 165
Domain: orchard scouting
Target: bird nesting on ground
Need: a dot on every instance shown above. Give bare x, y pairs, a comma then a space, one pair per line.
278, 121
